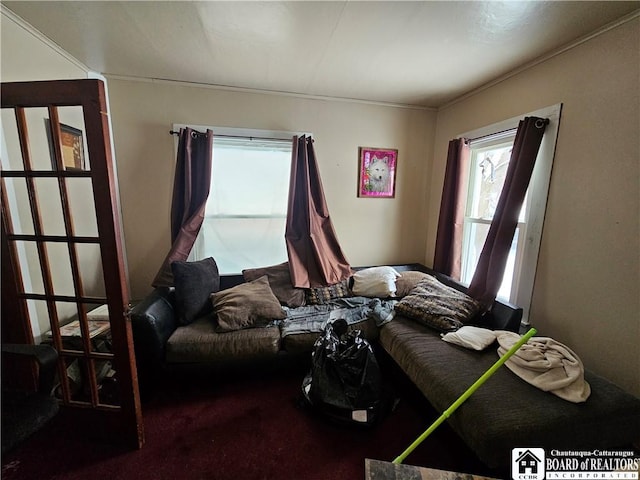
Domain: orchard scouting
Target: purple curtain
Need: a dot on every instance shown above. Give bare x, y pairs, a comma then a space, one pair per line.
191, 186
493, 258
448, 252
315, 256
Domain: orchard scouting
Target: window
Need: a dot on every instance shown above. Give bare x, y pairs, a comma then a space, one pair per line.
246, 210
488, 166
490, 155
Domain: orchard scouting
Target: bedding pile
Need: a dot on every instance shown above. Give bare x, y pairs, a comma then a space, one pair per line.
547, 364
313, 318
543, 362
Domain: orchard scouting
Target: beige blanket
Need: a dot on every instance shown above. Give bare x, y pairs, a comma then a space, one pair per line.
548, 365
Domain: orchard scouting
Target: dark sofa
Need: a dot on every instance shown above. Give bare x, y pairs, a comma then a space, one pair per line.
506, 412
503, 414
161, 341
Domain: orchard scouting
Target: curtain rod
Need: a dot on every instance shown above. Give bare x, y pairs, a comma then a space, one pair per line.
504, 133
196, 133
494, 135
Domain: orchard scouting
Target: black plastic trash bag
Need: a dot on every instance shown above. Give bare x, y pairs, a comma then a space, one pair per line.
344, 381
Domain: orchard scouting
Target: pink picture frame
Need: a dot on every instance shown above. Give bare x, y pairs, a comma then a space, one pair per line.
377, 172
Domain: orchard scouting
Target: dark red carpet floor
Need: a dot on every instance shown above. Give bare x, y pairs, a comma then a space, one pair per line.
251, 426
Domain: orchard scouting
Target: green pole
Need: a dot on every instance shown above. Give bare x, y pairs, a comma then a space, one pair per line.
447, 413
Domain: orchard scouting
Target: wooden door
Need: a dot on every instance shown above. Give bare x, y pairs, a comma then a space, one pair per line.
62, 234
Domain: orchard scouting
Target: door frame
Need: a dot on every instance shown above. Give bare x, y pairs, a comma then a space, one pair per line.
126, 421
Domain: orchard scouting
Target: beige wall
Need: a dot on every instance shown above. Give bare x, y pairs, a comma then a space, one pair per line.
371, 231
25, 56
586, 292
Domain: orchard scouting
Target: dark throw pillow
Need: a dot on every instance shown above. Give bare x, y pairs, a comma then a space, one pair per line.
245, 305
437, 305
280, 281
194, 282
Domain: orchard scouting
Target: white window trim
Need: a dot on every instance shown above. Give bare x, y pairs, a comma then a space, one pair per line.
538, 191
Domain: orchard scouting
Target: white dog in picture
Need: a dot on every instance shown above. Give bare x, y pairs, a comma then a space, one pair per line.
379, 174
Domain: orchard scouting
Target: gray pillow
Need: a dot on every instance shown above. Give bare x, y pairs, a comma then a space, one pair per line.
437, 305
407, 281
280, 281
194, 283
245, 305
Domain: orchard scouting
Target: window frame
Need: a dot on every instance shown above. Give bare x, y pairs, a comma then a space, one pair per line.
530, 233
499, 140
197, 252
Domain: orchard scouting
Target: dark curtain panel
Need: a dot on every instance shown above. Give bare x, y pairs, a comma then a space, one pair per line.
315, 256
448, 253
493, 258
191, 186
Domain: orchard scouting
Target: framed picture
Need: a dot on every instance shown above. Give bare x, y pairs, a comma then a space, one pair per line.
377, 172
71, 144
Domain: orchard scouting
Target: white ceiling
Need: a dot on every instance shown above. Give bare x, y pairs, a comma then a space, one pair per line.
415, 53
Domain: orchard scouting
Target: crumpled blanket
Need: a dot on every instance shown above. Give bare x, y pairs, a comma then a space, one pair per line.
547, 364
313, 318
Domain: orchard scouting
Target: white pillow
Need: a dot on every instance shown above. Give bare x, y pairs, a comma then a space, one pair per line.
474, 338
375, 282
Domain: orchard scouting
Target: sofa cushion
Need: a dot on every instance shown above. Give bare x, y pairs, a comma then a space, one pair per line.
375, 282
199, 342
437, 305
322, 295
303, 341
407, 281
244, 305
280, 282
194, 282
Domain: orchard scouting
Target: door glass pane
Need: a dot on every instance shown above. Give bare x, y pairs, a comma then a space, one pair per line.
50, 206
74, 144
40, 146
67, 313
99, 328
73, 378
11, 154
108, 387
81, 206
30, 267
39, 316
18, 198
60, 266
91, 273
